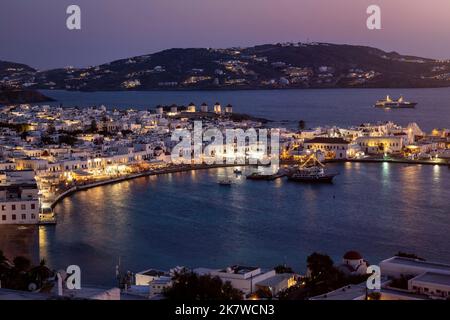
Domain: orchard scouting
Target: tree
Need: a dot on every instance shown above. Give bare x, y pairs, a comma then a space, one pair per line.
39, 274
67, 139
21, 275
51, 129
21, 264
24, 135
319, 265
2, 257
190, 286
301, 125
283, 269
93, 127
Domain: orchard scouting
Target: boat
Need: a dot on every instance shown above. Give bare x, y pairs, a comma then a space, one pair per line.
261, 176
389, 103
237, 171
312, 171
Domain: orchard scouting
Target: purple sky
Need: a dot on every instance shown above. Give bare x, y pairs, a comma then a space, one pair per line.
34, 31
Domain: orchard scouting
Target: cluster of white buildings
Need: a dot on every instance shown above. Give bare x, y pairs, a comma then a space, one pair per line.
152, 283
423, 280
68, 146
370, 140
419, 280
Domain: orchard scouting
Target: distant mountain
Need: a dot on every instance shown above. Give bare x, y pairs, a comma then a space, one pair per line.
292, 65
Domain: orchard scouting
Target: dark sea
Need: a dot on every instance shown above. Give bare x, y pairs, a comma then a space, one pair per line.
188, 219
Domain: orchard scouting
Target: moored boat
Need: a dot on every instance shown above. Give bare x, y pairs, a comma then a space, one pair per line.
261, 176
312, 171
313, 174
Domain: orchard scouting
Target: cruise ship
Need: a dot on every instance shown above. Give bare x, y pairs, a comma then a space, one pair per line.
395, 104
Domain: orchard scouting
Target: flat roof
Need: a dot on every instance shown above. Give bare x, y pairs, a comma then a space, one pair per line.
350, 292
418, 263
433, 277
153, 272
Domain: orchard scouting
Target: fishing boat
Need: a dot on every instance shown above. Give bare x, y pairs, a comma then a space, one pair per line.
389, 103
312, 171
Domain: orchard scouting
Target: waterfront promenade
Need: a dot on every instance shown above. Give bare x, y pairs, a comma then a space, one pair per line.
184, 167
170, 169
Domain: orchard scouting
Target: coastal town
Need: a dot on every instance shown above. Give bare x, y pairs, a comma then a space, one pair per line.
48, 152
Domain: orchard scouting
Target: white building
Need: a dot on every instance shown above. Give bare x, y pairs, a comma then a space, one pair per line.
204, 107
7, 166
242, 278
353, 263
159, 285
382, 144
334, 148
430, 279
395, 267
191, 107
144, 278
19, 204
217, 108
434, 285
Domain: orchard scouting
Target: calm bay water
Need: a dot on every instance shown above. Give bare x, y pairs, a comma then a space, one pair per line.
342, 107
188, 219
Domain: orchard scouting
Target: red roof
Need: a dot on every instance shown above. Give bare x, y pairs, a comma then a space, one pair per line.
352, 255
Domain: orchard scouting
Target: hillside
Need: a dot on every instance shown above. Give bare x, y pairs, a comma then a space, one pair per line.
312, 65
14, 96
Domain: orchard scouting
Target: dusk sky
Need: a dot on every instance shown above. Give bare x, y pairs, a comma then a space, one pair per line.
34, 31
